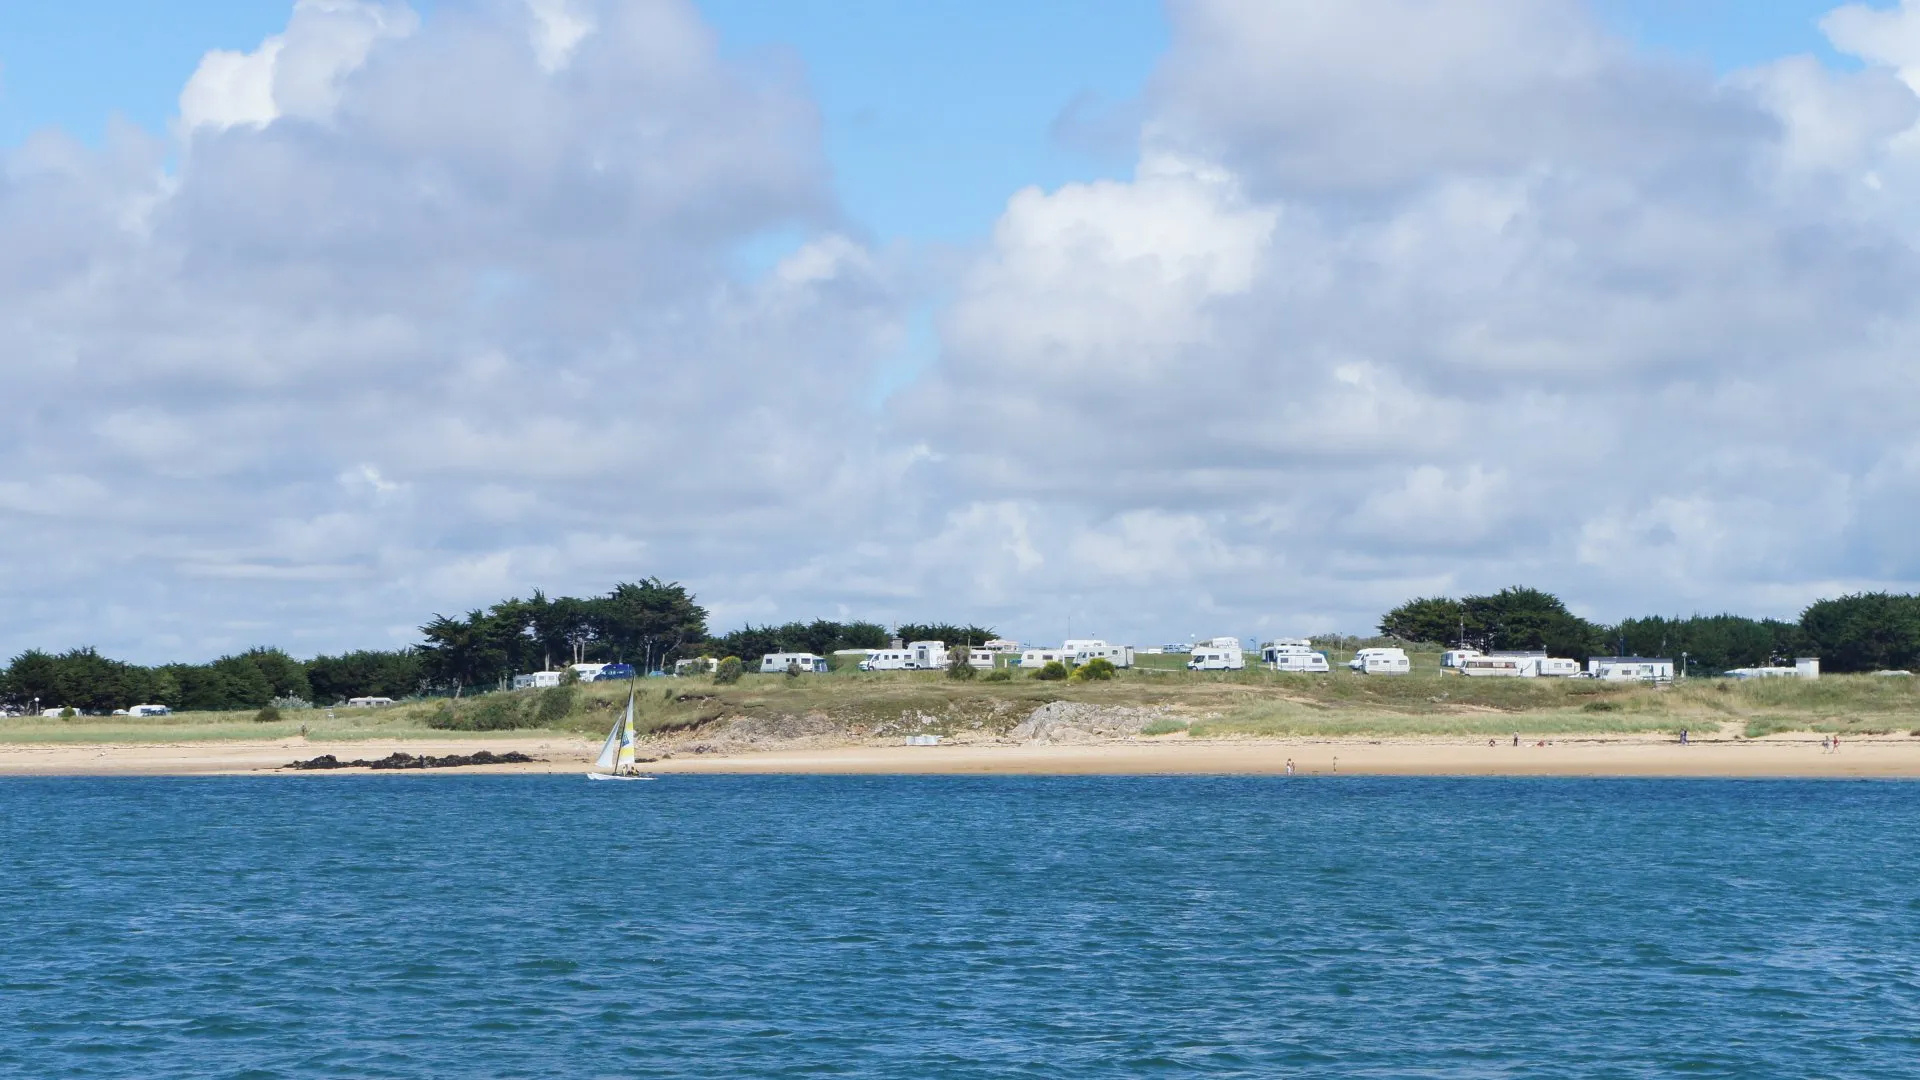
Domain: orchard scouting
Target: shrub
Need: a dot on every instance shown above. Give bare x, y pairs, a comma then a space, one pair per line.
729, 671
1001, 674
1163, 726
1053, 671
69, 713
958, 666
555, 705
493, 712
1099, 668
793, 670
268, 715
1599, 706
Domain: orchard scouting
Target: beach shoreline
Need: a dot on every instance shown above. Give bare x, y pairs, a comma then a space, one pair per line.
1780, 756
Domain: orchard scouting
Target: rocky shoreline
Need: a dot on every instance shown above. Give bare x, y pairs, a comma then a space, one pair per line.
399, 760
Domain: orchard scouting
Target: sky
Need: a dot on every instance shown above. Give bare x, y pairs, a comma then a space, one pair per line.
1247, 317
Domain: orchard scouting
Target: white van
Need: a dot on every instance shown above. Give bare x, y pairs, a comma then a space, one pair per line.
1221, 654
1293, 654
777, 663
1381, 662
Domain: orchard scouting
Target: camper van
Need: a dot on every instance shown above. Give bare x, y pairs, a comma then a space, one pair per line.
1079, 652
1293, 654
887, 660
1219, 654
1380, 662
777, 663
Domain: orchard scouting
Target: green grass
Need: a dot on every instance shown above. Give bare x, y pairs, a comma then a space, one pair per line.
1251, 702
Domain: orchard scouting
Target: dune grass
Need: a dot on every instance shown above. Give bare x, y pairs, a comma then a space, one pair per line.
1250, 702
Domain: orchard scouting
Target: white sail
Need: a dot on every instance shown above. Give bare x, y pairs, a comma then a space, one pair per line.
624, 729
607, 753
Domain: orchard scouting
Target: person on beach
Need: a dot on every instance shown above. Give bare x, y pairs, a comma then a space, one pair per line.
1289, 766
1516, 738
1683, 736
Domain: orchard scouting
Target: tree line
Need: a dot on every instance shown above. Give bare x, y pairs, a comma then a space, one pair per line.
648, 623
1855, 633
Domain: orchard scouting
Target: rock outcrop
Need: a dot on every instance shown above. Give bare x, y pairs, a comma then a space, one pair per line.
398, 760
1072, 721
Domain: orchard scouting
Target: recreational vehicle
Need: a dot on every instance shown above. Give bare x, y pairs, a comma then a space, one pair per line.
1220, 654
1501, 665
537, 680
1558, 667
1293, 654
1630, 668
1079, 652
887, 660
587, 672
1039, 658
691, 665
777, 663
1805, 667
928, 655
1452, 657
1002, 645
1380, 662
369, 702
149, 710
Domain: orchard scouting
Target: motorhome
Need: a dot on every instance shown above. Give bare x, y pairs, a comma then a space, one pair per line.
1079, 652
1293, 654
1630, 668
1806, 667
1380, 662
777, 663
887, 660
1219, 654
1001, 645
928, 655
536, 680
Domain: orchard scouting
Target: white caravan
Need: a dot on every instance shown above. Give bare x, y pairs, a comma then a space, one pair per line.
1293, 654
149, 710
776, 663
1380, 662
369, 702
536, 680
1452, 657
1630, 668
1557, 667
1039, 658
1219, 654
981, 658
1805, 667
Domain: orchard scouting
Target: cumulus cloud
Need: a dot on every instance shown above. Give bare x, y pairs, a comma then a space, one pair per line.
432, 311
1451, 297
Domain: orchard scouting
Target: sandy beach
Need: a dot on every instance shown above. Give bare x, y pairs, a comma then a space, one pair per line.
1885, 756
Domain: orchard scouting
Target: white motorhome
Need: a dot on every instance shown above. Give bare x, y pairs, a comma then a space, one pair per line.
536, 680
1380, 662
1219, 654
149, 710
1000, 644
887, 660
1452, 657
777, 663
1293, 654
1630, 668
928, 655
1079, 652
1805, 667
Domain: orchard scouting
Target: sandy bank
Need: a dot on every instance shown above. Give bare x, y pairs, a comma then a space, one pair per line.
1887, 756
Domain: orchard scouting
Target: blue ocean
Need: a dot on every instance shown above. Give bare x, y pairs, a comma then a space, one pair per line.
408, 926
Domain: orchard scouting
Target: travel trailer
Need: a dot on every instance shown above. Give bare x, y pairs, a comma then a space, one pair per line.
587, 672
1501, 665
1452, 657
149, 710
537, 680
1380, 662
1806, 667
1630, 668
777, 663
1219, 654
1039, 658
1293, 654
369, 702
695, 665
1558, 667
1000, 644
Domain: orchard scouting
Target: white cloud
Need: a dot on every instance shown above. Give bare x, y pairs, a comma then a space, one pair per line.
297, 73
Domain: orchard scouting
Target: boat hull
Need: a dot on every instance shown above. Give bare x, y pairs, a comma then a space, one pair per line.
610, 776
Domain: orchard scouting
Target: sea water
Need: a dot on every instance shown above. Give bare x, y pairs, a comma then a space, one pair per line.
411, 926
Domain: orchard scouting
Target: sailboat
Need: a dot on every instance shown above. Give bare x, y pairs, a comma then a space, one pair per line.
617, 755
